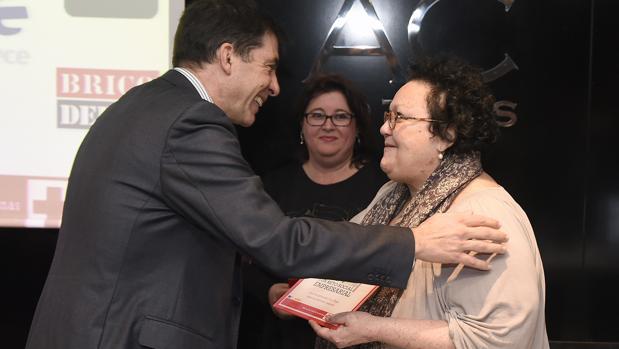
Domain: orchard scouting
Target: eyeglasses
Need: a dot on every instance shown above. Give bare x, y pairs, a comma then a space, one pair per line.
340, 119
391, 118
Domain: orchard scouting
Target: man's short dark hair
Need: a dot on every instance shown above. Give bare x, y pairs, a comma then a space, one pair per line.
460, 98
206, 24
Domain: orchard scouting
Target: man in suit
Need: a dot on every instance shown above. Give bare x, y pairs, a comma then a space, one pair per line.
161, 204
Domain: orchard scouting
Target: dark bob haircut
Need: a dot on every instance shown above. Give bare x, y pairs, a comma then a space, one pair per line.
358, 104
459, 98
206, 24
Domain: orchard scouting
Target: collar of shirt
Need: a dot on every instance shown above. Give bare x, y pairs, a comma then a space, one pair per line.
195, 82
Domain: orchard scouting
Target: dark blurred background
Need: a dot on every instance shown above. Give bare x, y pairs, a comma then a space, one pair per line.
559, 65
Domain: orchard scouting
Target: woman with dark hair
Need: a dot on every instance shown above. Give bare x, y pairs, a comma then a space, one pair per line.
351, 105
335, 179
437, 124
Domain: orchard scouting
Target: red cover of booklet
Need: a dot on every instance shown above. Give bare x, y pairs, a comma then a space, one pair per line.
314, 299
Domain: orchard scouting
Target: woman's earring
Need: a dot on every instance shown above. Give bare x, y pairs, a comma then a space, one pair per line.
301, 138
358, 140
440, 155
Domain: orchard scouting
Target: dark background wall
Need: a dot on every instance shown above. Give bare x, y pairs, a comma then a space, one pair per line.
559, 159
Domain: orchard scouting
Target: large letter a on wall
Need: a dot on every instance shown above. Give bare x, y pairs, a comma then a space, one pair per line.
371, 20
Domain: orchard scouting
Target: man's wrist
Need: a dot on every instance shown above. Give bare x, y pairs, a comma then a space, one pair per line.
417, 248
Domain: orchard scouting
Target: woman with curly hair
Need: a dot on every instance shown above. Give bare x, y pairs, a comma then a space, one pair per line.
437, 124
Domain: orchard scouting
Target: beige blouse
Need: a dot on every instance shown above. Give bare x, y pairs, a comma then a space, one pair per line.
500, 308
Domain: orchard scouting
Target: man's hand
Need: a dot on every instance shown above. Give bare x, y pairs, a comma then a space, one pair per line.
449, 237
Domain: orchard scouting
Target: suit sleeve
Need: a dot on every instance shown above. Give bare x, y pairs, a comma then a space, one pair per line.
205, 179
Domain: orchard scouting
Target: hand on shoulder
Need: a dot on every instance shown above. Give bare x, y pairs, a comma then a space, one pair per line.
449, 237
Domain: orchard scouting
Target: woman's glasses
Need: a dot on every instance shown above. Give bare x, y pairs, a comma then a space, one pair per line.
391, 118
340, 119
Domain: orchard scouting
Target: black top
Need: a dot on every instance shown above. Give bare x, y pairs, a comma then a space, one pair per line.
297, 195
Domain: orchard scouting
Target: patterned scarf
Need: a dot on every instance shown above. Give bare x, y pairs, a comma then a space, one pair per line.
435, 195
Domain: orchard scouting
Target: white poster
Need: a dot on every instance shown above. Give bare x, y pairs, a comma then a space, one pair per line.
62, 62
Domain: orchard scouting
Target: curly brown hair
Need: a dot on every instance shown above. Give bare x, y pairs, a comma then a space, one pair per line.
460, 99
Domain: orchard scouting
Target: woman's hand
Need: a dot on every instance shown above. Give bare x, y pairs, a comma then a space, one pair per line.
355, 328
360, 327
275, 293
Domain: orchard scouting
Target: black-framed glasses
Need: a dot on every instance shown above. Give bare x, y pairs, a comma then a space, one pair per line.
391, 118
341, 119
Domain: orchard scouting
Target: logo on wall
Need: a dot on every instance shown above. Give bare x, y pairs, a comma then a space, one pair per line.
45, 199
371, 20
504, 110
83, 94
8, 14
111, 8
10, 17
31, 201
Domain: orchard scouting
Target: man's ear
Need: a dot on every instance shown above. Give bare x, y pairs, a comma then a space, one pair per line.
224, 57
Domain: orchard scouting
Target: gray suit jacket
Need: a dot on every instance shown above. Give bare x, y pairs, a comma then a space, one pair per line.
160, 203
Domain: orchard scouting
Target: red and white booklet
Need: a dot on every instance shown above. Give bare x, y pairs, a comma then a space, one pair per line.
314, 299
